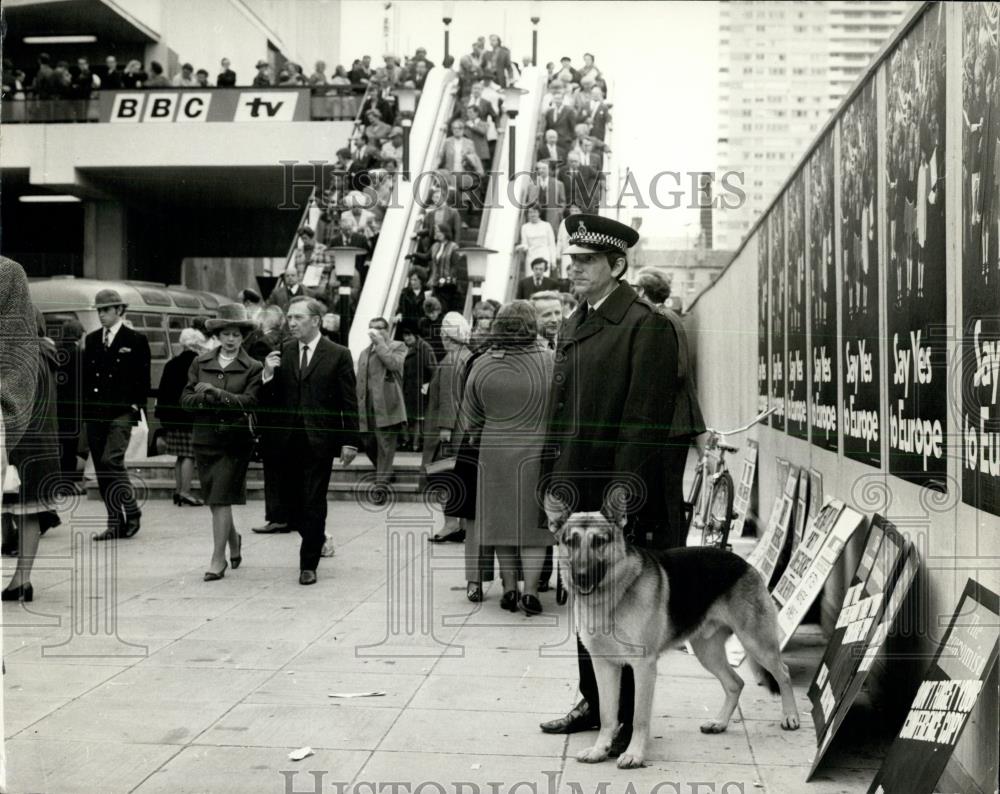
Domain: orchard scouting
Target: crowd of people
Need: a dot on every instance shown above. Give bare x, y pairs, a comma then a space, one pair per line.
568, 393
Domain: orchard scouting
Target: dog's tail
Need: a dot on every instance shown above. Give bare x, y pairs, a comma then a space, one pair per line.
764, 678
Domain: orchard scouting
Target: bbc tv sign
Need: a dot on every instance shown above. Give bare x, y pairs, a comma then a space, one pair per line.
193, 106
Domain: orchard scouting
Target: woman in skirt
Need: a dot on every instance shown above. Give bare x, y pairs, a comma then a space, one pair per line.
221, 391
176, 422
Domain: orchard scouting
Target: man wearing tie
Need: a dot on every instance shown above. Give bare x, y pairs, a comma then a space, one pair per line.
381, 409
309, 387
459, 154
550, 195
561, 118
550, 150
537, 281
581, 183
115, 385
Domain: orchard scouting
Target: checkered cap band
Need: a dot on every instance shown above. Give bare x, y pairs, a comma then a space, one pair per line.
598, 240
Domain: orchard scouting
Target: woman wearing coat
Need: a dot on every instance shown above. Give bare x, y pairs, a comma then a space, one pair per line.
175, 421
36, 457
504, 412
418, 369
411, 302
449, 271
537, 239
221, 391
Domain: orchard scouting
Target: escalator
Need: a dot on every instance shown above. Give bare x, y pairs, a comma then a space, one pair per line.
387, 272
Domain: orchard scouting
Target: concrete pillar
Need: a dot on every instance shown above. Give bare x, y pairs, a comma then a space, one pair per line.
104, 238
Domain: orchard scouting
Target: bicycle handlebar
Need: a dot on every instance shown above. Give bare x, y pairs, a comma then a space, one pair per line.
759, 418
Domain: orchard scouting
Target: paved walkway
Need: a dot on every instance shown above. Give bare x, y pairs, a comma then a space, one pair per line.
148, 679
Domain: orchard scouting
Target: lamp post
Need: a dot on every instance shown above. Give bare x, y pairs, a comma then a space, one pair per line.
511, 102
345, 259
448, 11
475, 259
535, 19
407, 99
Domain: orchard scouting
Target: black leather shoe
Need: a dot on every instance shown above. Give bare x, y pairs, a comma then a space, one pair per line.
271, 528
530, 605
131, 528
108, 534
580, 718
509, 600
621, 741
458, 536
307, 577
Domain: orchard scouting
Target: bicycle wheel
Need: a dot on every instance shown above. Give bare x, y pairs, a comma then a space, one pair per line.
720, 512
691, 505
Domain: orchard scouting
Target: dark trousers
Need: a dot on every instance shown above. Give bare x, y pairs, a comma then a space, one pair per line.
676, 460
275, 466
588, 686
108, 441
306, 479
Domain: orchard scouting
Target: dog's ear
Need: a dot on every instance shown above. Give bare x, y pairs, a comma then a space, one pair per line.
556, 510
615, 506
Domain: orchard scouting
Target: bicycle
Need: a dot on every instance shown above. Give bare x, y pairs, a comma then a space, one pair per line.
712, 507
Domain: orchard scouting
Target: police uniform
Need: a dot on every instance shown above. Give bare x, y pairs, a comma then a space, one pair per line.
115, 386
612, 407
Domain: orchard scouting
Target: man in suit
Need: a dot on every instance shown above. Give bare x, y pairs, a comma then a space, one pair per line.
115, 386
309, 386
550, 150
582, 184
613, 396
289, 288
549, 194
537, 281
355, 238
381, 410
596, 112
560, 117
459, 156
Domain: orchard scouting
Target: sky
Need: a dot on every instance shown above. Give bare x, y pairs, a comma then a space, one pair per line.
660, 59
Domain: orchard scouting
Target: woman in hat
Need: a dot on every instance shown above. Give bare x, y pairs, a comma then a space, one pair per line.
503, 414
221, 391
176, 422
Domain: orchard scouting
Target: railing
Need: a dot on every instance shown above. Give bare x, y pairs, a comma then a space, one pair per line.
503, 267
327, 103
387, 272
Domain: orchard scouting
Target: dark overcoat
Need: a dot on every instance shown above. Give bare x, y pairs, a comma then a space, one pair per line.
614, 388
221, 419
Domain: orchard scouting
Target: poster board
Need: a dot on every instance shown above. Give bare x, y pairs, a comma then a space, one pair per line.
907, 572
861, 421
822, 273
767, 552
980, 229
801, 509
815, 493
945, 698
744, 488
816, 573
763, 327
915, 299
815, 536
860, 611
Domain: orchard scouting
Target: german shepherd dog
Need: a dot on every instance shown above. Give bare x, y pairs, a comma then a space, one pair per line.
631, 604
